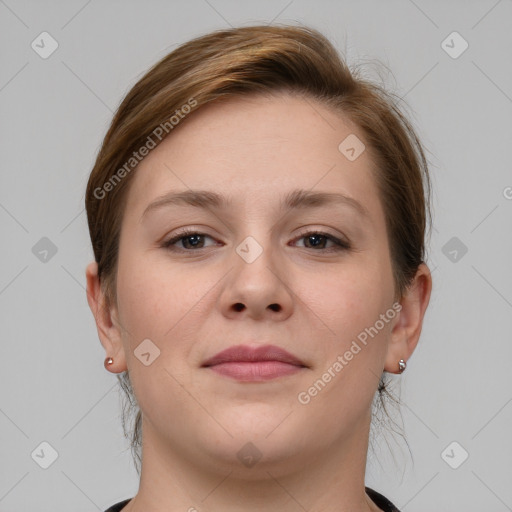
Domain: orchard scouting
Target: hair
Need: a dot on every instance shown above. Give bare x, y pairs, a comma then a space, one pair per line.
245, 61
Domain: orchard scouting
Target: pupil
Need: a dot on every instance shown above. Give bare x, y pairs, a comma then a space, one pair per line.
195, 239
317, 238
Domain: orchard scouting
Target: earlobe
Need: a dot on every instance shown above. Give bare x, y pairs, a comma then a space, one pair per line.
407, 329
104, 316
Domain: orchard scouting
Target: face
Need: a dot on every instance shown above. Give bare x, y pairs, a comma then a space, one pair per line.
263, 265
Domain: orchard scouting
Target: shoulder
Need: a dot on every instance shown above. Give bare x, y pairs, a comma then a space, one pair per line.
381, 501
118, 506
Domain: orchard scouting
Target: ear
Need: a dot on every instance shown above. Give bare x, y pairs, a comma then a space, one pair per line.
107, 325
407, 328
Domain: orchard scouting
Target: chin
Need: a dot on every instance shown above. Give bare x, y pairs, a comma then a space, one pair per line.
253, 459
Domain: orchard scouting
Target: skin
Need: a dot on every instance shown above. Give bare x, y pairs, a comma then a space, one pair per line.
254, 150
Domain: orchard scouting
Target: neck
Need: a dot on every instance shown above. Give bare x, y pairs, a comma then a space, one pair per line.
332, 480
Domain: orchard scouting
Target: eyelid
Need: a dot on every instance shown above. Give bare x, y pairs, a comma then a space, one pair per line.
322, 231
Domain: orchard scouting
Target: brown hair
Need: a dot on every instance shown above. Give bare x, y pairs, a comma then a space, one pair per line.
249, 60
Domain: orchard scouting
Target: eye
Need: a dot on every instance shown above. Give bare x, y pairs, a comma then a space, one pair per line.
318, 239
189, 239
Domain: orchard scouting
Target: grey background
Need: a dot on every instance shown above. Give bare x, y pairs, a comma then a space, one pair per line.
53, 115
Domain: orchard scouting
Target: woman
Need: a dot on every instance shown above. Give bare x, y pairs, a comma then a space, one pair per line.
257, 214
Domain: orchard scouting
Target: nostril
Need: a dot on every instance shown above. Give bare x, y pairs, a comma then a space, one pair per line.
239, 306
275, 307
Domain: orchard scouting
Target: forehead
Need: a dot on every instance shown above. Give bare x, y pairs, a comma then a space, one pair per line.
257, 148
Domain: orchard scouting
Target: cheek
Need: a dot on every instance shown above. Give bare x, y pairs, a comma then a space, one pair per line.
156, 303
151, 298
348, 300
162, 301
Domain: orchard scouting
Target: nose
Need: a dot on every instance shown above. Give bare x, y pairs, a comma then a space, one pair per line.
257, 285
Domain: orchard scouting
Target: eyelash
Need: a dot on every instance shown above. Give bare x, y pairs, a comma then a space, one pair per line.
341, 245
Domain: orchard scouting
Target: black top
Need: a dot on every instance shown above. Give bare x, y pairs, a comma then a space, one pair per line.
379, 500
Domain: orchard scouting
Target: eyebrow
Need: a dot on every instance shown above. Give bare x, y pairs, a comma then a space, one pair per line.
295, 199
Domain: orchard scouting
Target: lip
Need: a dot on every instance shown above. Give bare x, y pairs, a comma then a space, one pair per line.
245, 363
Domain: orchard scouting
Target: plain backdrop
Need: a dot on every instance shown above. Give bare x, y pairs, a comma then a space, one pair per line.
449, 60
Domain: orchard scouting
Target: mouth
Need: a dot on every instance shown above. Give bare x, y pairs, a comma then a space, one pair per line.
248, 364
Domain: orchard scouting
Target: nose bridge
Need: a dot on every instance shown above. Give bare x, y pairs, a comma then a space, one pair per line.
256, 234
255, 258
250, 249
